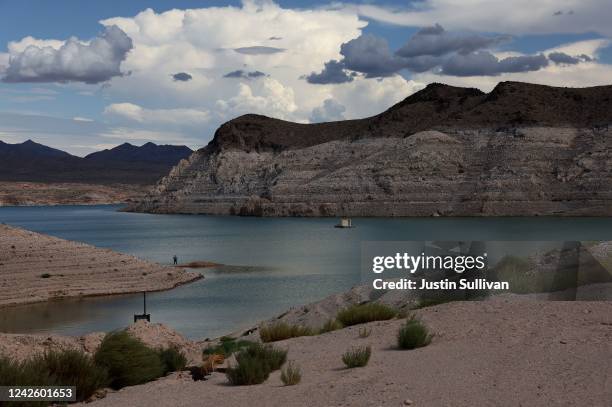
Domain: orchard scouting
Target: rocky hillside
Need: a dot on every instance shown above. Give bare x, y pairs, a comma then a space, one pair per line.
520, 150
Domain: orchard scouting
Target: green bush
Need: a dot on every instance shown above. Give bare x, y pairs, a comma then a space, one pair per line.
227, 346
74, 368
26, 373
282, 330
54, 368
357, 357
128, 360
413, 334
291, 374
255, 363
172, 359
360, 314
272, 356
330, 325
249, 370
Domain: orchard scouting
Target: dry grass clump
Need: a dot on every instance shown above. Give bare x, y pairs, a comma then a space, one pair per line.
357, 357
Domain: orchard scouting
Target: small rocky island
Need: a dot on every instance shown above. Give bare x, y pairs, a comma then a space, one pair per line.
520, 150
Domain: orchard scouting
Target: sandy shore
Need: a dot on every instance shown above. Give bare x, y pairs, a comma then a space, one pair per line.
502, 352
36, 267
36, 193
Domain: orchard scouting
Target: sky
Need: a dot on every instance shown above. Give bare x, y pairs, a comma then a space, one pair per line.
84, 76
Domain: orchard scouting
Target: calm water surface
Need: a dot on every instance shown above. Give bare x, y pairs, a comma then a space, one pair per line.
279, 262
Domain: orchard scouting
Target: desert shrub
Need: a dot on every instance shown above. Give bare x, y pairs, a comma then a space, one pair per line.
279, 331
357, 357
227, 346
45, 275
272, 356
413, 334
54, 368
433, 301
73, 368
359, 314
331, 325
248, 371
172, 359
291, 374
128, 360
254, 364
14, 373
364, 332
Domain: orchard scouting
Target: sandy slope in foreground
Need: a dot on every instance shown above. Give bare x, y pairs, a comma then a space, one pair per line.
73, 269
503, 352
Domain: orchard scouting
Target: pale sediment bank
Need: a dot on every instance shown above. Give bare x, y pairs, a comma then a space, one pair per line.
36, 267
38, 193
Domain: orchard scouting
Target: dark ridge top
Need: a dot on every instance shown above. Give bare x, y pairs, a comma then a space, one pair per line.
126, 163
438, 106
149, 152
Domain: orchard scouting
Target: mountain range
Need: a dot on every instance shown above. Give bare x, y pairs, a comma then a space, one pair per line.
520, 150
125, 164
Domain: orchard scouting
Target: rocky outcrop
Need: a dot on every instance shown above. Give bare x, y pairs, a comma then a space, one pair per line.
519, 150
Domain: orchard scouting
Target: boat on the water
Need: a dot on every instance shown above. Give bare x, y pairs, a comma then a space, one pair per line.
344, 223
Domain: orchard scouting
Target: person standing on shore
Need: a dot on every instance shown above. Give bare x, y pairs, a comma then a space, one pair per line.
175, 259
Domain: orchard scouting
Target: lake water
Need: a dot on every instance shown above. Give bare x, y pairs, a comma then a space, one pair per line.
280, 262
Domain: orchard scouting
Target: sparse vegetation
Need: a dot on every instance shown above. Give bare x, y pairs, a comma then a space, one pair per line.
357, 357
291, 374
364, 332
45, 275
249, 370
172, 359
255, 363
128, 360
227, 346
330, 325
54, 368
279, 331
362, 313
413, 334
430, 302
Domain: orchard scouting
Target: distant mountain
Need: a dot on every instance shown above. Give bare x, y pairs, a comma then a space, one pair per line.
149, 152
30, 149
126, 164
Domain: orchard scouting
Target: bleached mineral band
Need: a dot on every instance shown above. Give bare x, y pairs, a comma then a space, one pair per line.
410, 263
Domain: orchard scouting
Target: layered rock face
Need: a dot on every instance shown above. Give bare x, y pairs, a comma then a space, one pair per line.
519, 150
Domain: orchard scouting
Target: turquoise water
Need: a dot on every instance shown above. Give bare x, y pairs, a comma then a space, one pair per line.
280, 262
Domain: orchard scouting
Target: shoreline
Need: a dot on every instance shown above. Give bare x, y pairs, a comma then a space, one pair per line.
26, 193
37, 268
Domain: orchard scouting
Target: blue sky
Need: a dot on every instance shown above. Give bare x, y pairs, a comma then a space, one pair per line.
88, 75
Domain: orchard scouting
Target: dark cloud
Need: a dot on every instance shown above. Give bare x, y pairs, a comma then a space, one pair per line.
331, 110
244, 74
485, 63
561, 58
333, 72
435, 41
370, 55
182, 77
94, 62
558, 13
258, 50
431, 48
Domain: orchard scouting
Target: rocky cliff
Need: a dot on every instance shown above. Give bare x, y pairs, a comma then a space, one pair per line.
520, 150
